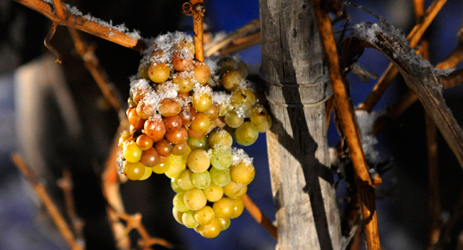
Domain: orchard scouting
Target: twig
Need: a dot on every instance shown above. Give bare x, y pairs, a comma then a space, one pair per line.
241, 44
413, 37
92, 64
47, 202
83, 24
195, 8
47, 40
251, 27
258, 216
345, 110
65, 183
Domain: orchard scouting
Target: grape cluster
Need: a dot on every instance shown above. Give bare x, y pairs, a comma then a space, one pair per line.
183, 117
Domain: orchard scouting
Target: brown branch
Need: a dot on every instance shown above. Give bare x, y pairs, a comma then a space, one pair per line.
47, 202
47, 43
66, 185
258, 216
413, 37
195, 8
92, 64
344, 108
241, 44
85, 25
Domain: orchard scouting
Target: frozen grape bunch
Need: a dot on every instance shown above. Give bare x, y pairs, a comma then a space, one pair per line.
183, 116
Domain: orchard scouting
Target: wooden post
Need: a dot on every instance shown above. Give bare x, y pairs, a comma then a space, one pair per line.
302, 183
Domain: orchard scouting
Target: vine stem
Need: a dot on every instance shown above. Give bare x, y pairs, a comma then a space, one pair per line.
197, 8
413, 38
62, 17
46, 200
345, 110
259, 216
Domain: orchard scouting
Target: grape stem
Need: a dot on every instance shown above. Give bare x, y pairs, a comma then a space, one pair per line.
195, 8
46, 200
259, 216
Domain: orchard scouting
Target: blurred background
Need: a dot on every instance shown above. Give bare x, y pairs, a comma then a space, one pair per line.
60, 120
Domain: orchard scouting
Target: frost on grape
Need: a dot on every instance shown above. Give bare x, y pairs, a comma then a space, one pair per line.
238, 156
365, 122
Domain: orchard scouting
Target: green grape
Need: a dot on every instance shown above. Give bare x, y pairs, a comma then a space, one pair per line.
132, 152
220, 177
224, 208
225, 223
213, 193
246, 134
194, 199
204, 215
147, 174
239, 207
242, 173
196, 143
233, 119
184, 180
210, 230
231, 79
179, 203
225, 64
234, 190
243, 100
188, 220
174, 185
177, 215
221, 158
198, 161
220, 138
243, 69
134, 171
201, 180
265, 126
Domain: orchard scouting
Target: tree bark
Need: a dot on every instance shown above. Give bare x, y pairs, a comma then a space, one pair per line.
302, 183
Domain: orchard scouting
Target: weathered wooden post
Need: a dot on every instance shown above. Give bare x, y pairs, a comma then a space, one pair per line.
302, 183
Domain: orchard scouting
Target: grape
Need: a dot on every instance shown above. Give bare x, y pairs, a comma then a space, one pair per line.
213, 111
164, 147
187, 114
162, 168
150, 157
175, 168
159, 72
180, 148
125, 136
178, 202
182, 61
130, 102
243, 100
201, 101
265, 126
177, 215
200, 124
225, 64
155, 128
184, 82
194, 199
184, 180
134, 119
225, 223
239, 207
144, 142
210, 230
242, 173
174, 185
198, 161
134, 171
246, 134
243, 69
169, 107
221, 158
220, 138
163, 158
231, 79
234, 190
201, 180
195, 143
132, 153
232, 119
173, 123
224, 208
185, 46
188, 219
201, 72
138, 94
193, 134
145, 110
260, 117
143, 71
147, 174
178, 136
213, 193
157, 54
204, 215
220, 177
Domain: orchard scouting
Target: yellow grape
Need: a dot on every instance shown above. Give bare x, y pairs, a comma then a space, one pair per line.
194, 199
177, 215
239, 207
213, 193
132, 153
134, 171
147, 174
225, 223
179, 203
210, 230
204, 215
198, 161
242, 173
224, 208
188, 220
234, 190
184, 180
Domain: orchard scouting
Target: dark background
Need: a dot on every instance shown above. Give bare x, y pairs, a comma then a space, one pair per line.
402, 214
